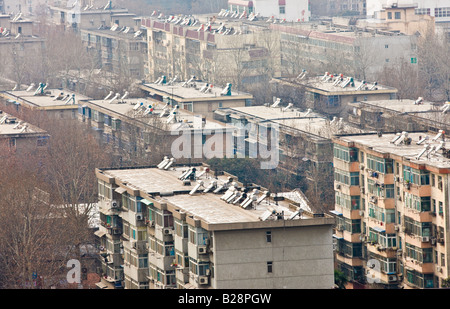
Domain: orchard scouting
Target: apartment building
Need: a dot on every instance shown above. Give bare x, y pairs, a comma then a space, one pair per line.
145, 128
216, 49
301, 146
197, 96
287, 10
37, 99
392, 201
329, 94
83, 14
121, 50
397, 115
184, 227
20, 137
18, 46
402, 18
362, 53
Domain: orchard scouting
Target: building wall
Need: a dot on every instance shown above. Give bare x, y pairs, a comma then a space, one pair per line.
291, 10
302, 258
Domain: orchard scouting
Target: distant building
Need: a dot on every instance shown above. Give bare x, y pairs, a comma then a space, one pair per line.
143, 128
288, 10
187, 95
303, 148
361, 53
398, 115
331, 93
20, 137
392, 209
163, 231
83, 14
53, 103
215, 49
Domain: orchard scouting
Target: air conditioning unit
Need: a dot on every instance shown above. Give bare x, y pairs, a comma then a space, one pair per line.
139, 217
203, 280
425, 239
339, 227
392, 278
338, 187
397, 178
373, 199
363, 190
361, 166
397, 228
167, 231
361, 213
117, 231
134, 244
433, 241
202, 250
438, 269
114, 204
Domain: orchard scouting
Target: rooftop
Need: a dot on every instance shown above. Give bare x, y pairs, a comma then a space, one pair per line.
293, 118
189, 91
12, 126
412, 151
419, 108
142, 109
338, 84
211, 207
48, 99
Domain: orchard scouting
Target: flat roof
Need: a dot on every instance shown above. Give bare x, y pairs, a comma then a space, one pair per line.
208, 207
18, 127
294, 118
382, 144
192, 92
126, 108
328, 87
48, 101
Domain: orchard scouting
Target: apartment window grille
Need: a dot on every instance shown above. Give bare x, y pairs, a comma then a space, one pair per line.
442, 12
269, 236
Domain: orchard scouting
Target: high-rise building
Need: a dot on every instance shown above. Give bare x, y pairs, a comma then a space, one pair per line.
392, 201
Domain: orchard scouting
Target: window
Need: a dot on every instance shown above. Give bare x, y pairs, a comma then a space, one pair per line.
351, 225
389, 15
345, 153
381, 214
442, 12
269, 236
282, 9
269, 267
422, 255
386, 46
415, 176
417, 228
398, 15
348, 178
347, 201
380, 164
422, 203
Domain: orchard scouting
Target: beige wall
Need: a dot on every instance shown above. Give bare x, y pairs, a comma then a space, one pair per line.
302, 258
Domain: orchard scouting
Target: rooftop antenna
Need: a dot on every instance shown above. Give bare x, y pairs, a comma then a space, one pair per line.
276, 103
287, 107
